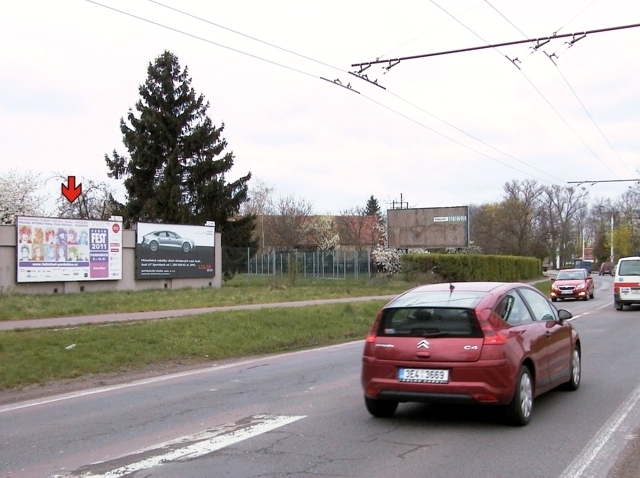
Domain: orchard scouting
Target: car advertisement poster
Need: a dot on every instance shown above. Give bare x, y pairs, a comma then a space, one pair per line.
172, 251
68, 250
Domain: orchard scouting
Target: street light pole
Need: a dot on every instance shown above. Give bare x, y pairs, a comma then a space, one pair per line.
612, 260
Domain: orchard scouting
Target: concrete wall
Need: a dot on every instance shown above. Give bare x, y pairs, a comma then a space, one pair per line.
128, 282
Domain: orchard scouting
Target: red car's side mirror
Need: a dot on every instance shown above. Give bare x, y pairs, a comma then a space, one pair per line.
564, 314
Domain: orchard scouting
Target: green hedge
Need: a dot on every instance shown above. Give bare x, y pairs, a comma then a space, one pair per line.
472, 267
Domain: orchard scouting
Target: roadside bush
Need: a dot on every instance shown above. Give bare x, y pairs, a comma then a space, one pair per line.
472, 267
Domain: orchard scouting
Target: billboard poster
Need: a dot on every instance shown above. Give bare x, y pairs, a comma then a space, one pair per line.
435, 227
174, 251
68, 250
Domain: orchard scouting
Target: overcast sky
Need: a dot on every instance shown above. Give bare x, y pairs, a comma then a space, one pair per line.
448, 130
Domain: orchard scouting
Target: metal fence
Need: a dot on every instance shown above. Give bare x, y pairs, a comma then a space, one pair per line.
316, 264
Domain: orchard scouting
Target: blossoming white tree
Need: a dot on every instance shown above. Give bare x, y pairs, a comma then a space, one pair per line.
387, 260
19, 196
324, 231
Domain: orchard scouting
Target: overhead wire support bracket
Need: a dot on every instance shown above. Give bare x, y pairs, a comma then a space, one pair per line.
366, 78
514, 62
551, 57
339, 83
391, 65
577, 39
540, 45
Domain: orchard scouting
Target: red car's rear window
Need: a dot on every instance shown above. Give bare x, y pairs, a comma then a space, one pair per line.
429, 322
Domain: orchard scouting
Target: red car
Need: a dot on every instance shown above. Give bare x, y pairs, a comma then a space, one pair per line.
572, 284
606, 268
470, 343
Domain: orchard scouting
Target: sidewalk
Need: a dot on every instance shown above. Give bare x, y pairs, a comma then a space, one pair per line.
165, 314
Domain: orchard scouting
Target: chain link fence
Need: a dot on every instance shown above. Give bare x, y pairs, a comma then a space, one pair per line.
335, 264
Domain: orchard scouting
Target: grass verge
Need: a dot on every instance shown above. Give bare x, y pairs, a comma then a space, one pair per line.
37, 356
241, 289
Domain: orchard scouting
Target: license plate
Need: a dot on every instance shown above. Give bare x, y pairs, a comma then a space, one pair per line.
566, 292
423, 375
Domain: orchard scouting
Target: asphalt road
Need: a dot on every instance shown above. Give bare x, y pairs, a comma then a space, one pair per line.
302, 414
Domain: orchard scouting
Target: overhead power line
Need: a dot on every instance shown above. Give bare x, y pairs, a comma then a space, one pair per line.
488, 45
539, 40
593, 120
182, 32
336, 82
430, 30
508, 21
348, 86
551, 57
593, 183
242, 34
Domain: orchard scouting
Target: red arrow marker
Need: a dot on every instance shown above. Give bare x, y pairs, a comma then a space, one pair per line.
72, 192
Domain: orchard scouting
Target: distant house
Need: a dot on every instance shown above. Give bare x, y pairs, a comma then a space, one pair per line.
359, 232
287, 233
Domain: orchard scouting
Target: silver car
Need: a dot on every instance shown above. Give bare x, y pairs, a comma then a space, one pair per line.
167, 239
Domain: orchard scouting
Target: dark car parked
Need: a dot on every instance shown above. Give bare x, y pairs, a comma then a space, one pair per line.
473, 342
606, 268
586, 265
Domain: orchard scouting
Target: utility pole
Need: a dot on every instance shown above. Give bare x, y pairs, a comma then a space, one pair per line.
611, 258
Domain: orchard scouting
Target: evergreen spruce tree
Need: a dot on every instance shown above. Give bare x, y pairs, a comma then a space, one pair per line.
372, 208
175, 172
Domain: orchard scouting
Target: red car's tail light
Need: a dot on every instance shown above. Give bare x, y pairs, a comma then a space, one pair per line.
485, 397
373, 332
372, 392
492, 336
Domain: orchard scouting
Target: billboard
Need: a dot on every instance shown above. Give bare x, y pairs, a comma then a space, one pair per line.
173, 251
67, 250
428, 227
587, 253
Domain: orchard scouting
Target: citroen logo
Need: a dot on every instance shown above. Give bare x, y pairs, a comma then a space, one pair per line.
423, 344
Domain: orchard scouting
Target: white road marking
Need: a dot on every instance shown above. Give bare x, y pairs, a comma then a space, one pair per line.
596, 452
200, 445
94, 391
608, 304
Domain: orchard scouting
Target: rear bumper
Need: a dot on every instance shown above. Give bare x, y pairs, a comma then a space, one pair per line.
423, 397
484, 381
625, 299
